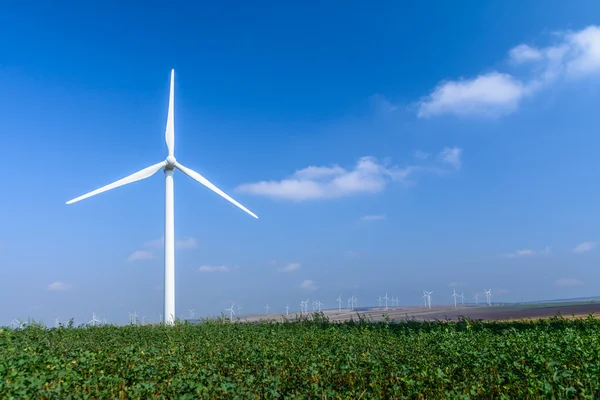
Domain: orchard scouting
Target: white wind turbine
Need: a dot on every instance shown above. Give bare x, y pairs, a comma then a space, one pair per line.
379, 300
425, 297
94, 320
454, 295
267, 308
231, 312
462, 299
169, 165
192, 313
476, 298
488, 296
238, 308
56, 322
339, 300
386, 300
429, 299
287, 309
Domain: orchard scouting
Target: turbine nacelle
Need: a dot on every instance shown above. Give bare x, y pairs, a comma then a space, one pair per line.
171, 163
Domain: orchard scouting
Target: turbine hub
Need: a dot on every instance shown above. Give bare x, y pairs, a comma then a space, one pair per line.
170, 162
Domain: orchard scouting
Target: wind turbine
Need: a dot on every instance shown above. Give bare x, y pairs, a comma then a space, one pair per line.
386, 299
267, 308
454, 295
429, 299
239, 308
192, 313
462, 299
56, 323
169, 165
287, 309
231, 312
339, 300
379, 301
94, 320
488, 296
425, 297
476, 298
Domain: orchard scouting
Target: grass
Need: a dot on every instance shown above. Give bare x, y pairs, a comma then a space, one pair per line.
553, 358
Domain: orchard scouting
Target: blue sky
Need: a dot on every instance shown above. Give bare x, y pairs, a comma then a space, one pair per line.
393, 148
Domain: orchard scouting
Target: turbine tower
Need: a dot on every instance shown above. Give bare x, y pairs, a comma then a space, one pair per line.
476, 298
339, 300
386, 299
454, 295
169, 165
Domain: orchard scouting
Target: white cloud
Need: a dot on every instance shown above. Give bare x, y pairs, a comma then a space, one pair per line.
584, 247
327, 182
492, 95
351, 254
59, 286
568, 282
528, 252
546, 250
372, 217
524, 53
574, 55
187, 243
140, 255
421, 155
308, 285
452, 156
290, 267
214, 268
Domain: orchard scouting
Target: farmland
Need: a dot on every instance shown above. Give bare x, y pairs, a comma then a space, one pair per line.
305, 359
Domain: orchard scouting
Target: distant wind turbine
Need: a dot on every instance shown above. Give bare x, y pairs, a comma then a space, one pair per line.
287, 309
488, 296
192, 313
454, 296
379, 301
94, 320
169, 165
386, 300
476, 298
429, 299
339, 300
267, 308
231, 312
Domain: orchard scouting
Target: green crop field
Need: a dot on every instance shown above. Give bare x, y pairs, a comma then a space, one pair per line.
316, 359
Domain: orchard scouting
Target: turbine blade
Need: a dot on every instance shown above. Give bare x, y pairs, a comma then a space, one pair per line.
196, 176
143, 174
170, 131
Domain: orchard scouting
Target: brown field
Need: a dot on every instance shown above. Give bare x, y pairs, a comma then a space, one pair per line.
493, 313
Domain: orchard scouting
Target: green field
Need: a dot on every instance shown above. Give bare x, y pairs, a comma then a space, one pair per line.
555, 358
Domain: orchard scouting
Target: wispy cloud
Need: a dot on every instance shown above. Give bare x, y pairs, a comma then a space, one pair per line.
372, 217
187, 243
421, 155
584, 247
528, 252
452, 156
308, 285
59, 286
157, 244
215, 268
140, 255
327, 182
574, 55
290, 267
568, 282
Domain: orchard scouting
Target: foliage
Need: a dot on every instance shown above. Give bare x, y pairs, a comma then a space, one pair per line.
306, 358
